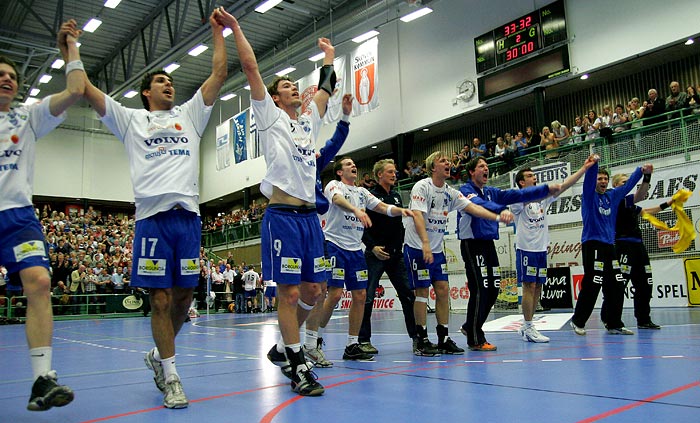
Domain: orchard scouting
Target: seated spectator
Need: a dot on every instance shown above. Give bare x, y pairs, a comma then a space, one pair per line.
417, 172
560, 132
457, 167
619, 119
477, 149
548, 142
691, 98
367, 182
676, 100
407, 170
500, 148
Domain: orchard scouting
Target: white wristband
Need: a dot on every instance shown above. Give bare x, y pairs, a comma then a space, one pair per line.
388, 210
74, 65
498, 218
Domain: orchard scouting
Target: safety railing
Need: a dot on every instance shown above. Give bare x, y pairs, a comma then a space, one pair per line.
15, 307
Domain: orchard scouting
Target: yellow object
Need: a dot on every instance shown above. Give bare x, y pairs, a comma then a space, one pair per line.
683, 224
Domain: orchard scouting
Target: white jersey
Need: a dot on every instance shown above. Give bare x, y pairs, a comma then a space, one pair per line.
531, 227
250, 280
19, 130
342, 227
270, 284
289, 149
435, 203
163, 151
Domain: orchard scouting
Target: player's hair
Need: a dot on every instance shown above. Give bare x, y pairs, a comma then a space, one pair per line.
431, 159
520, 176
617, 178
380, 165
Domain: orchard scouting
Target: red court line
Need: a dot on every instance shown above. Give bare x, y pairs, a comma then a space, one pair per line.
638, 403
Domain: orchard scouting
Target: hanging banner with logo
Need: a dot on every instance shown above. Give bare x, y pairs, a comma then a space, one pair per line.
224, 152
365, 77
240, 132
308, 86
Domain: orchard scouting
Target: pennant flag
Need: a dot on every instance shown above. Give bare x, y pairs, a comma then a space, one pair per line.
365, 77
240, 131
223, 146
308, 86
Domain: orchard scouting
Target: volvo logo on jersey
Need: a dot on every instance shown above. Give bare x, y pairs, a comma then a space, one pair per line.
165, 140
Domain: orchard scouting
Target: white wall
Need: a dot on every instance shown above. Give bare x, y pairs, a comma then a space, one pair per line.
420, 64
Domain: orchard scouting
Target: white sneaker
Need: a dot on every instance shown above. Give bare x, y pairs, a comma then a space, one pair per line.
158, 374
577, 330
317, 357
533, 335
620, 331
174, 395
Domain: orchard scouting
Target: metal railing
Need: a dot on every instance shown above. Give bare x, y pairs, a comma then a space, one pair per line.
94, 305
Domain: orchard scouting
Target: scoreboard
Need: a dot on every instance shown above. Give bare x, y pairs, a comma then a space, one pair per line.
522, 37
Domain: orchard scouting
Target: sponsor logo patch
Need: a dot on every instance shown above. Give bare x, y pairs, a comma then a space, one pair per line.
598, 265
29, 249
189, 267
320, 264
151, 267
543, 272
531, 271
338, 274
423, 274
361, 275
290, 265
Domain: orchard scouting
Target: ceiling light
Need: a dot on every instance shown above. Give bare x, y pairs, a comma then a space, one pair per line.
247, 87
78, 44
689, 42
267, 5
34, 92
198, 50
286, 71
58, 64
584, 76
112, 4
416, 14
366, 36
227, 32
228, 97
373, 147
317, 57
171, 67
92, 25
130, 94
426, 129
45, 79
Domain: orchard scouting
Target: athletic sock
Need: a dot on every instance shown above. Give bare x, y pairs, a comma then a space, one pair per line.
352, 339
310, 342
40, 358
169, 370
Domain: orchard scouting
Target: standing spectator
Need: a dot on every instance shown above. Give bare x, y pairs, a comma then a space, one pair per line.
599, 206
533, 139
367, 182
217, 287
251, 279
619, 119
168, 226
655, 107
239, 290
548, 142
477, 246
228, 284
431, 200
691, 99
118, 280
22, 247
577, 130
477, 149
605, 117
384, 254
676, 100
561, 132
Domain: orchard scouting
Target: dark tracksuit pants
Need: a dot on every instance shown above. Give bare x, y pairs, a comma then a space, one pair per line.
484, 282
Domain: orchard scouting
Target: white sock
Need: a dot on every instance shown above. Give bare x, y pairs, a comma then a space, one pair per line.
352, 339
311, 339
528, 324
280, 345
294, 347
41, 360
169, 369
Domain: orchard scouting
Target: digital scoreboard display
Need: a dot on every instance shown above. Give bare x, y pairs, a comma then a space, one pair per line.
522, 37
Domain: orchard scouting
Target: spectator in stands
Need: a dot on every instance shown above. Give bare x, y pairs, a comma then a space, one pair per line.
228, 283
560, 132
118, 280
577, 130
217, 286
533, 139
500, 148
676, 100
619, 119
635, 112
407, 170
691, 98
548, 142
654, 108
605, 117
60, 270
520, 143
593, 125
239, 290
367, 182
60, 298
478, 149
457, 167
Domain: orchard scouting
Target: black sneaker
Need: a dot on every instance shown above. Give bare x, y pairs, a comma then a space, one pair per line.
650, 325
423, 347
369, 348
354, 352
304, 382
449, 347
280, 359
47, 393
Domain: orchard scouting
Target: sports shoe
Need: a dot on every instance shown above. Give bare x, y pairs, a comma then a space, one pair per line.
577, 330
316, 356
533, 335
650, 325
449, 347
157, 367
354, 352
280, 359
174, 395
47, 393
620, 331
368, 348
423, 347
483, 347
304, 382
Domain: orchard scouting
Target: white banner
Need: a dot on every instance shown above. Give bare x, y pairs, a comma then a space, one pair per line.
308, 87
365, 77
224, 150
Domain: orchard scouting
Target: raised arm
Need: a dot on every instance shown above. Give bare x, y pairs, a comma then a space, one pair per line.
573, 178
246, 56
321, 97
75, 74
643, 189
210, 87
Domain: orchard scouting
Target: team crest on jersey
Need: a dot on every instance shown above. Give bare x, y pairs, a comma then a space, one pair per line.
338, 274
29, 249
151, 267
290, 265
361, 275
189, 267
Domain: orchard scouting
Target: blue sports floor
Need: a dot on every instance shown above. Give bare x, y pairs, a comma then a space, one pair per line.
653, 376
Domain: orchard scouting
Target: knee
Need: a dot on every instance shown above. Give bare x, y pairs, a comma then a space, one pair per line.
334, 295
310, 292
441, 291
37, 285
359, 295
160, 300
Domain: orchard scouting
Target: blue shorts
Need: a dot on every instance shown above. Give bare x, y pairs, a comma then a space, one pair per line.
348, 268
22, 242
271, 291
531, 266
421, 275
166, 250
292, 246
250, 294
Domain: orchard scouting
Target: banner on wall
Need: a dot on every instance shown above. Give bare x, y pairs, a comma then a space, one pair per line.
223, 146
240, 131
308, 86
365, 77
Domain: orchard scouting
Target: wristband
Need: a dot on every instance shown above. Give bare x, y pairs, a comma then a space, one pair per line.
664, 206
74, 65
498, 218
388, 210
646, 178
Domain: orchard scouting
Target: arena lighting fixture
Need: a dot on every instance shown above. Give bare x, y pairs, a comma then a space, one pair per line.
228, 97
58, 64
373, 147
584, 76
366, 36
416, 14
267, 5
112, 4
286, 71
45, 79
689, 42
34, 92
171, 67
130, 94
227, 32
198, 50
426, 129
92, 25
317, 57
